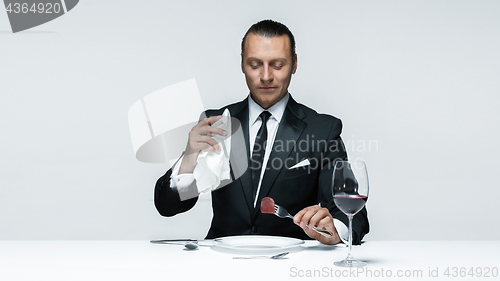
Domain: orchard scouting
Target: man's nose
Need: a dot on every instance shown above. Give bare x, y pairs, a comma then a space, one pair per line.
266, 74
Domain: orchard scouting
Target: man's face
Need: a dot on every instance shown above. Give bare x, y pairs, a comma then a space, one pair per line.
268, 67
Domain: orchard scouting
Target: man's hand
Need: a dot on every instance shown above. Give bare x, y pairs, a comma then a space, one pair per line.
320, 218
200, 139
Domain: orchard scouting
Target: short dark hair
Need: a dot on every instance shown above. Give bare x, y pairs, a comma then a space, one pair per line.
270, 28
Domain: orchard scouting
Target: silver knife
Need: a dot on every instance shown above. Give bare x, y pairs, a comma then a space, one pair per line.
172, 241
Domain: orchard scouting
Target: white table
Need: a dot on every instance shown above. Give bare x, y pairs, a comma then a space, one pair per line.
141, 260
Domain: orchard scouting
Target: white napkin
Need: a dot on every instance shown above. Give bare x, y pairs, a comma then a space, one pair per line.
213, 167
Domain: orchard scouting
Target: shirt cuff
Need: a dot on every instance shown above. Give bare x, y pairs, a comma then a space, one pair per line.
342, 230
182, 181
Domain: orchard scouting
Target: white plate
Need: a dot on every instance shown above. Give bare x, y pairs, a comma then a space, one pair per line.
256, 244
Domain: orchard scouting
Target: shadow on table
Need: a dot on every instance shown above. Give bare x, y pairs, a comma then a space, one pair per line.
371, 262
322, 247
250, 251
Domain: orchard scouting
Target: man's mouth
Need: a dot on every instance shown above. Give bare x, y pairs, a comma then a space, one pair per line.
267, 88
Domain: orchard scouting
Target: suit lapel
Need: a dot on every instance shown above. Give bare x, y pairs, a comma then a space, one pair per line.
290, 129
243, 155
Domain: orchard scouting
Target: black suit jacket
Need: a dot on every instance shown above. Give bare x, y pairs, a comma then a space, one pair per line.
302, 134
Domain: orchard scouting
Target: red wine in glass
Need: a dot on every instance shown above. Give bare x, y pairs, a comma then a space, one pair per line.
350, 204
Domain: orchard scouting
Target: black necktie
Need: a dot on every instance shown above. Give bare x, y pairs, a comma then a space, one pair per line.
259, 149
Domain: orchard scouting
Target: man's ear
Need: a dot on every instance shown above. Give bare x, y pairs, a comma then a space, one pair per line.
294, 67
242, 70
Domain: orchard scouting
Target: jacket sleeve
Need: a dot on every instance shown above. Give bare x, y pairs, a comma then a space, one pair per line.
167, 200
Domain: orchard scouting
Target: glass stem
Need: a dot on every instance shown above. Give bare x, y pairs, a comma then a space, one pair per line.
349, 257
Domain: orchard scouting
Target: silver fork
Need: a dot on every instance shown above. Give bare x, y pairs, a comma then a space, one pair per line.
283, 213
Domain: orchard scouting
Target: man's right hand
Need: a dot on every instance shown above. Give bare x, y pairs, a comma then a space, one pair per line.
199, 139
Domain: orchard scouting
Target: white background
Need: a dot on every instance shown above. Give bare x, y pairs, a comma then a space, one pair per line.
417, 80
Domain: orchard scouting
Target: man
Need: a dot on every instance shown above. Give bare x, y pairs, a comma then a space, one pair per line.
292, 133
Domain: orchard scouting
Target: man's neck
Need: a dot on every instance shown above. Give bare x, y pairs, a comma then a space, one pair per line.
276, 110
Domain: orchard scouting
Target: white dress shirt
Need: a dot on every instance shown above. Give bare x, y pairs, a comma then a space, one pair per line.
183, 181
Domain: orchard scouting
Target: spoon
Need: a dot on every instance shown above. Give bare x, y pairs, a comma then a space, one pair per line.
191, 245
278, 256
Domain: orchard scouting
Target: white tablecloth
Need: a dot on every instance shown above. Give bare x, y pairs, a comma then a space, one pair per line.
141, 260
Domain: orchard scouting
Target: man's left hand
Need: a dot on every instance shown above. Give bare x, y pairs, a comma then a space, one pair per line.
320, 218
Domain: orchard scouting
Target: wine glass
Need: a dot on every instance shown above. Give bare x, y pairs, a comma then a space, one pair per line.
350, 192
